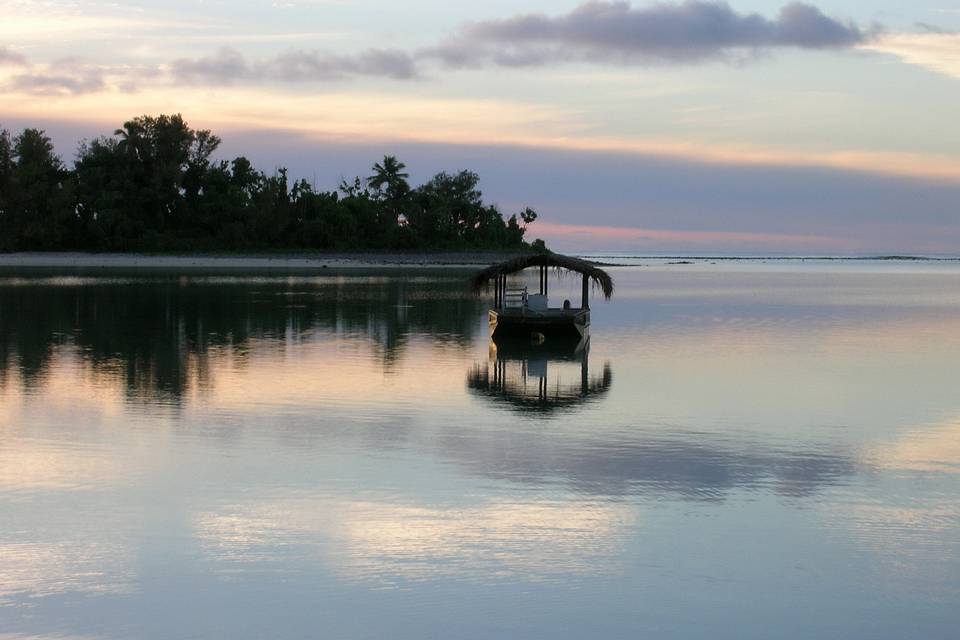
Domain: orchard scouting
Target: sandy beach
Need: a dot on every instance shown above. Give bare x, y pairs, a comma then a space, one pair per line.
247, 261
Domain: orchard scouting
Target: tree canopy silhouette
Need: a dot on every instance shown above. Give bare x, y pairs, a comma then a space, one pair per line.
154, 185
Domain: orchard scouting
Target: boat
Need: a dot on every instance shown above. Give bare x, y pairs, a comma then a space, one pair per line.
518, 312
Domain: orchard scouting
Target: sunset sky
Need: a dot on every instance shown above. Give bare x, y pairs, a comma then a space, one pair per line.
754, 127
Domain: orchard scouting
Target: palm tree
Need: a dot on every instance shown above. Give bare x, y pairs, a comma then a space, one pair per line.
390, 180
133, 139
389, 174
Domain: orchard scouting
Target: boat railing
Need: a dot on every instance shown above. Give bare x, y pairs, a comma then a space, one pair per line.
515, 298
520, 299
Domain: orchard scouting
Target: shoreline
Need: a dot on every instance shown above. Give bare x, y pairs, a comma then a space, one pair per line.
347, 261
248, 261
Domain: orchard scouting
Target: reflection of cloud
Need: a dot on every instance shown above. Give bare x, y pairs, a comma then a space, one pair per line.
382, 541
694, 467
45, 636
268, 381
932, 450
913, 533
36, 467
916, 540
70, 404
39, 569
536, 540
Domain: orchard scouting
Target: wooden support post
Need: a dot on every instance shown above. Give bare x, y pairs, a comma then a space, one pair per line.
585, 298
546, 280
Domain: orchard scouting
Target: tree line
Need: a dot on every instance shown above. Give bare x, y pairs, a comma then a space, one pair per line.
155, 186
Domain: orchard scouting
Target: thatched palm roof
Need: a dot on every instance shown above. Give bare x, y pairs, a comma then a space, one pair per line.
600, 278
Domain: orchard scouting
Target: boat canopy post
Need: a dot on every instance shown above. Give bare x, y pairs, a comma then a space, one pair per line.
585, 297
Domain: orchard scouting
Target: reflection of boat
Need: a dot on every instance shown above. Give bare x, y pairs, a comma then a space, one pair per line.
516, 311
539, 377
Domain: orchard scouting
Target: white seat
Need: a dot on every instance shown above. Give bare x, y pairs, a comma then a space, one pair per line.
537, 302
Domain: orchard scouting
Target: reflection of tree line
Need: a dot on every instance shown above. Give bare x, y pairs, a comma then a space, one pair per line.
157, 334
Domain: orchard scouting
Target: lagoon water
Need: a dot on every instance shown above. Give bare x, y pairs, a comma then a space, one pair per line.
744, 450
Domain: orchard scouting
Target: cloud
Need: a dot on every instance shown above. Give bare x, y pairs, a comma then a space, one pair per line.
932, 28
9, 57
939, 52
59, 78
596, 32
615, 236
603, 32
229, 65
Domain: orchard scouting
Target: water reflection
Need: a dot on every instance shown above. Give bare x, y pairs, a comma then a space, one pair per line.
388, 541
542, 378
155, 335
225, 449
693, 466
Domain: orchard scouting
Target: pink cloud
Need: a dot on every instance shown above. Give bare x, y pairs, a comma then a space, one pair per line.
589, 236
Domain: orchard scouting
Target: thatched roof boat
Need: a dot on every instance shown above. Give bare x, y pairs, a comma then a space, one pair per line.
485, 279
516, 311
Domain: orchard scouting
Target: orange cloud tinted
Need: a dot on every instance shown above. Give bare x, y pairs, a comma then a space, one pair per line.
385, 117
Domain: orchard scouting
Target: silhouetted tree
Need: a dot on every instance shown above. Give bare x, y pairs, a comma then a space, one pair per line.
389, 183
7, 230
153, 185
38, 199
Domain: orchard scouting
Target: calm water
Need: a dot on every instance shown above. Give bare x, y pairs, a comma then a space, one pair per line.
744, 450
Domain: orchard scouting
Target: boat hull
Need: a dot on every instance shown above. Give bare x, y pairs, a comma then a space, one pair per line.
555, 323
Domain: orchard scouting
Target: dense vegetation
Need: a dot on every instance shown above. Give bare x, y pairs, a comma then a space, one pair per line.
154, 186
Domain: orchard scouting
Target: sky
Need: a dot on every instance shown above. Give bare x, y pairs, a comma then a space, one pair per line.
752, 127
